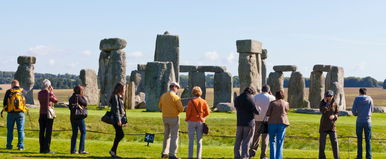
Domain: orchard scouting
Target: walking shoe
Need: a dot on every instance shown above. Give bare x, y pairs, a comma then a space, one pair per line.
164, 156
83, 152
20, 149
114, 155
173, 157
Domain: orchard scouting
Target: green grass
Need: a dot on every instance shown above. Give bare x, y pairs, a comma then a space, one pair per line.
301, 140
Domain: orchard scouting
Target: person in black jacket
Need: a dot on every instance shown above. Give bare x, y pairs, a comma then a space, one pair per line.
246, 110
77, 101
118, 109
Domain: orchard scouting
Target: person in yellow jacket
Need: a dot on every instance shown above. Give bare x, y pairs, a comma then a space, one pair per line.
170, 106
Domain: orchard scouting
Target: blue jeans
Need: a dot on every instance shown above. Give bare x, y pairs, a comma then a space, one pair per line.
19, 118
366, 127
276, 140
78, 125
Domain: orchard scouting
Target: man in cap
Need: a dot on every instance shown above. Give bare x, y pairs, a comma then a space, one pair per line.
329, 110
170, 106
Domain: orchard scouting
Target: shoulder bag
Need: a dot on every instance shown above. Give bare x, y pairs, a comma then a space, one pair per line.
50, 110
80, 112
205, 128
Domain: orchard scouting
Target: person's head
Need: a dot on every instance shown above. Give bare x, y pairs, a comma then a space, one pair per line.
15, 83
249, 90
196, 91
119, 89
174, 86
78, 90
46, 84
265, 89
329, 95
279, 94
362, 91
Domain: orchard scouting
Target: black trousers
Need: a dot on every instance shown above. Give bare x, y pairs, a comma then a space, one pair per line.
118, 137
45, 133
334, 144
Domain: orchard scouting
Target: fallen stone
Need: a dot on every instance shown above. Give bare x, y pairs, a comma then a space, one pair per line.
379, 109
61, 105
316, 111
112, 44
225, 107
285, 68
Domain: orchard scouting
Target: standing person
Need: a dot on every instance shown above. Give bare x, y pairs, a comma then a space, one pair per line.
362, 108
46, 97
118, 110
196, 113
262, 101
14, 104
246, 110
277, 123
329, 110
171, 106
77, 100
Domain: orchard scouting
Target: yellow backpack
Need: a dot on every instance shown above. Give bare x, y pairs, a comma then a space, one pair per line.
16, 101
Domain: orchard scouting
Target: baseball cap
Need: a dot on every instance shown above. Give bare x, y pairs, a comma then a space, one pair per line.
175, 84
329, 93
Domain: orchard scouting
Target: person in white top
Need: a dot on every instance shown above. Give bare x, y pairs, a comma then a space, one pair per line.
262, 101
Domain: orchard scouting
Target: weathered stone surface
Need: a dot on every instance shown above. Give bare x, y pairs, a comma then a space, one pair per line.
186, 93
296, 87
25, 74
384, 84
276, 81
322, 68
138, 77
89, 80
130, 96
211, 69
335, 82
140, 101
225, 107
112, 44
264, 54
141, 67
316, 89
26, 60
223, 88
167, 48
188, 68
248, 73
112, 70
61, 105
285, 68
263, 72
249, 46
379, 109
158, 76
185, 102
197, 79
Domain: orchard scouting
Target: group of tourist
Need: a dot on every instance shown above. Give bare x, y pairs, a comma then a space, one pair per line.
260, 117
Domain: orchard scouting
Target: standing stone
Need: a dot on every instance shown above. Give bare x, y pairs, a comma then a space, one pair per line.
316, 89
89, 80
223, 88
158, 76
130, 96
25, 74
249, 64
276, 81
138, 77
112, 67
384, 84
197, 79
167, 48
336, 74
264, 67
296, 87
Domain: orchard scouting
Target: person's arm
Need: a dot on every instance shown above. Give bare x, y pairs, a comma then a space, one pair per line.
82, 101
372, 105
354, 108
252, 105
269, 111
180, 108
160, 103
189, 110
115, 109
322, 107
6, 96
206, 110
53, 98
336, 111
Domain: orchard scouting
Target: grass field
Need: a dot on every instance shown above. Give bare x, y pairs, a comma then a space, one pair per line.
301, 140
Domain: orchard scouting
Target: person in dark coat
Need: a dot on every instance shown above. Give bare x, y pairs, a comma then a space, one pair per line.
77, 101
118, 110
329, 110
246, 110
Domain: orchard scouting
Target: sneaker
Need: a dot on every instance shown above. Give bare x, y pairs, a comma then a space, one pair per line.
8, 148
173, 157
164, 156
20, 148
114, 155
83, 152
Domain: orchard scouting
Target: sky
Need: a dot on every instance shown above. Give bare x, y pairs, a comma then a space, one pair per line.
64, 35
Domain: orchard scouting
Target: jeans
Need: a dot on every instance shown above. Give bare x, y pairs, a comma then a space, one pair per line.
195, 128
256, 139
276, 140
19, 119
78, 125
364, 126
45, 133
171, 126
244, 135
334, 144
118, 137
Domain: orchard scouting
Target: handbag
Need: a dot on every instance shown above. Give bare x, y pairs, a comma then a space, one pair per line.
205, 128
108, 118
50, 110
80, 112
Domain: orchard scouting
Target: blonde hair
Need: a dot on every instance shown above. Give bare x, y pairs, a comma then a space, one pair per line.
196, 91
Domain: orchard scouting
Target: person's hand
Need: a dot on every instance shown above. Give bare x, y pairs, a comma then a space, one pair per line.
332, 117
50, 88
119, 123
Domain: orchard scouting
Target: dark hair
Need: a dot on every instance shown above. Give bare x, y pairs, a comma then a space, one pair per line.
265, 88
363, 91
279, 94
118, 89
249, 90
78, 90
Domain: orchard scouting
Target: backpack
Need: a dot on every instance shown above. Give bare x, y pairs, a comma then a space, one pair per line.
16, 101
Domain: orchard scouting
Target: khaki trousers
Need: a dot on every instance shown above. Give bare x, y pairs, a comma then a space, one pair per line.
256, 139
171, 126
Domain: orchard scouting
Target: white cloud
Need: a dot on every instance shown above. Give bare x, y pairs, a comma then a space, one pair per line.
42, 50
135, 54
231, 58
360, 67
212, 55
87, 52
51, 62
